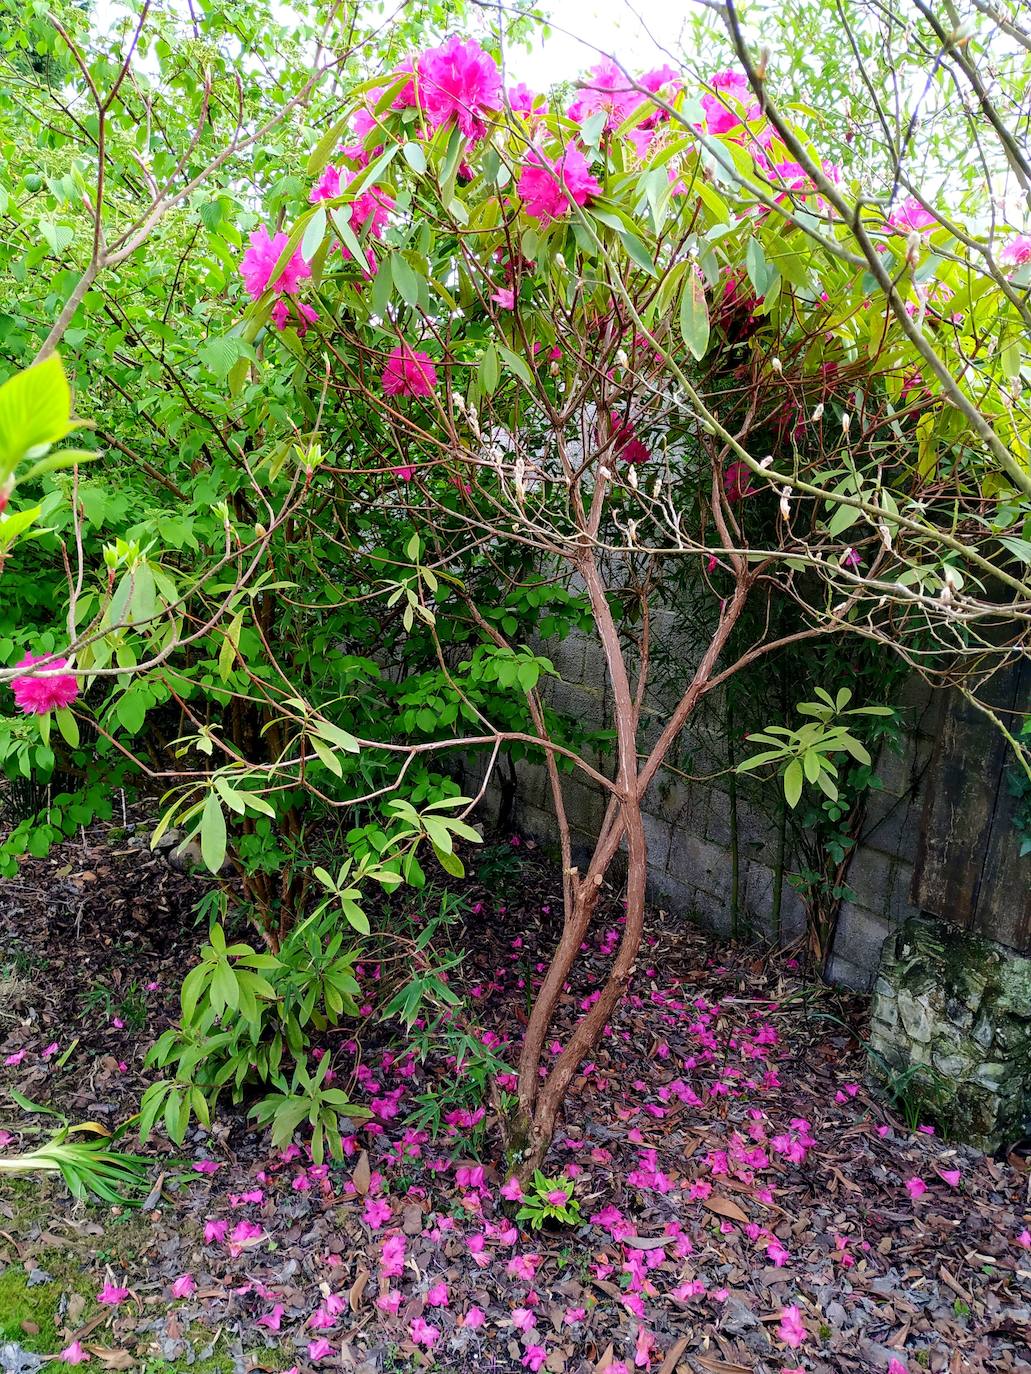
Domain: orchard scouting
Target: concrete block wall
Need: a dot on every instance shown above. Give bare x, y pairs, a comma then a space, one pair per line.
688, 822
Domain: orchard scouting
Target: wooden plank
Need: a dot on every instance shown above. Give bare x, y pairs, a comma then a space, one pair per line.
1003, 900
962, 785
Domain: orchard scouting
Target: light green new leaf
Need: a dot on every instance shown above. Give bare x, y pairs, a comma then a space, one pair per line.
212, 834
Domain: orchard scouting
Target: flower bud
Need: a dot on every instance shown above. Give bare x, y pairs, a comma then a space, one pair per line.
777, 365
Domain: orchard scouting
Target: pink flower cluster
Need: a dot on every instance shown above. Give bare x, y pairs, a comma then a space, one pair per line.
460, 82
256, 268
36, 695
408, 372
549, 187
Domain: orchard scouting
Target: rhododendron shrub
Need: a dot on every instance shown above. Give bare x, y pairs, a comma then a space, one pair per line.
396, 382
618, 349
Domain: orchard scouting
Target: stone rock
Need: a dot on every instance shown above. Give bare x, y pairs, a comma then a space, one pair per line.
956, 1007
14, 1359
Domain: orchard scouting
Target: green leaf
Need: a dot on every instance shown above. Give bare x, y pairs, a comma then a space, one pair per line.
213, 834
405, 279
415, 157
517, 365
637, 251
793, 783
35, 410
694, 315
68, 726
314, 234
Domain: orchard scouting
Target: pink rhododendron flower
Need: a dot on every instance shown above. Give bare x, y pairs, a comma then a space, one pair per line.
644, 1348
259, 262
377, 1212
628, 447
777, 1254
5, 1139
206, 1166
50, 1050
460, 81
950, 1176
548, 187
422, 1333
215, 1231
505, 297
534, 1357
1017, 251
523, 1319
737, 481
522, 1267
915, 1187
573, 1316
791, 1329
911, 216
184, 1286
73, 1354
303, 315
897, 1367
15, 1059
319, 1349
390, 1302
273, 1320
1024, 1239
35, 696
111, 1295
721, 110
409, 372
392, 1257
512, 1190
437, 1296
616, 1367
474, 1318
521, 99
605, 89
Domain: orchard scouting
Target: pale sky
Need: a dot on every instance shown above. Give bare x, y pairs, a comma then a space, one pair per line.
621, 27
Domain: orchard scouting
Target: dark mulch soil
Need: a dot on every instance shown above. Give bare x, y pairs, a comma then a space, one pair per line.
729, 1163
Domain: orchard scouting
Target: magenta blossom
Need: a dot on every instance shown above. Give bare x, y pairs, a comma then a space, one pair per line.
437, 1296
459, 81
111, 1295
423, 1333
911, 217
319, 1349
36, 696
474, 1318
733, 94
512, 1190
521, 99
73, 1354
549, 187
184, 1286
303, 315
1017, 251
409, 372
259, 262
534, 1357
605, 90
915, 1187
791, 1329
215, 1231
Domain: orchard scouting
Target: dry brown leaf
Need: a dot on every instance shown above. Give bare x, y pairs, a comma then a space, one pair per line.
357, 1289
362, 1176
608, 1355
647, 1242
723, 1207
112, 1358
675, 1351
721, 1366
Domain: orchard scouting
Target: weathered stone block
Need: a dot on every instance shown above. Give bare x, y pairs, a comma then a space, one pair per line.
955, 1003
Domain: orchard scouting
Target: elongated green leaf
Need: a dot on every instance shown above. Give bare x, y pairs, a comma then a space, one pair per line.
694, 315
213, 834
